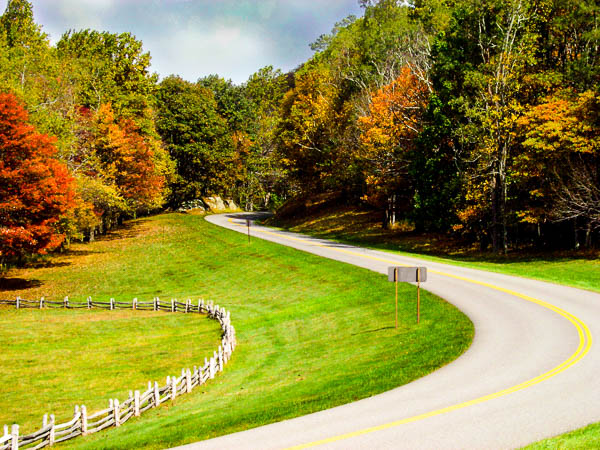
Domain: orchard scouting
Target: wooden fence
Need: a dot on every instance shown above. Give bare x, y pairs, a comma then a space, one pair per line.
138, 402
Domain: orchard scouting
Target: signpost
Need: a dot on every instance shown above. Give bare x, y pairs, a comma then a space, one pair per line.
248, 225
410, 275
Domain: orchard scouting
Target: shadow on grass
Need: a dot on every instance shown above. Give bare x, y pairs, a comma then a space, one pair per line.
373, 331
18, 284
126, 230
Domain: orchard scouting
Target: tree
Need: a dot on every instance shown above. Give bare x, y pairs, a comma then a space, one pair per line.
36, 190
480, 64
263, 176
559, 166
128, 159
388, 136
307, 133
197, 138
110, 68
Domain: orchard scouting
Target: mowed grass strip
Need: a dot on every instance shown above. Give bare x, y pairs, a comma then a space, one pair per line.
53, 359
312, 333
584, 438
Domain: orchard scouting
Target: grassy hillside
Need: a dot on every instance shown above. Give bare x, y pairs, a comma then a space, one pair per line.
312, 333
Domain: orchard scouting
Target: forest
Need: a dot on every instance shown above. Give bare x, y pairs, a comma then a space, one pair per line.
475, 118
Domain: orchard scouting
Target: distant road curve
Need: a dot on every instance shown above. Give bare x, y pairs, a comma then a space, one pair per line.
531, 372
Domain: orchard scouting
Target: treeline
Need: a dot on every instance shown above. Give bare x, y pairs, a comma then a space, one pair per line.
121, 143
477, 117
473, 117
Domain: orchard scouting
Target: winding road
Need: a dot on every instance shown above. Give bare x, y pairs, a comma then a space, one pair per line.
531, 372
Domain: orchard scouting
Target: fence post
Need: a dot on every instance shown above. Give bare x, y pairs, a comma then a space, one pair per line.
14, 443
173, 308
134, 303
116, 413
173, 387
211, 368
156, 395
84, 420
112, 304
18, 302
220, 358
66, 302
188, 381
187, 305
77, 415
89, 302
136, 403
41, 302
51, 437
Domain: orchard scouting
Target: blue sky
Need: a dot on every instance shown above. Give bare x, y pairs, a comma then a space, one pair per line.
194, 38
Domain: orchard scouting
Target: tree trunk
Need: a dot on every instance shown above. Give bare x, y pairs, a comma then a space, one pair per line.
494, 201
588, 234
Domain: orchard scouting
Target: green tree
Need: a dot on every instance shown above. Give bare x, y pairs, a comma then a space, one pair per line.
197, 138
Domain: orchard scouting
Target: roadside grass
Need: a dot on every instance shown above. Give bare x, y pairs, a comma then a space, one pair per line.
583, 438
54, 359
349, 225
312, 333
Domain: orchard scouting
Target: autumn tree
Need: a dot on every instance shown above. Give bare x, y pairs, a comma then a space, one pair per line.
307, 137
36, 190
128, 159
388, 139
559, 167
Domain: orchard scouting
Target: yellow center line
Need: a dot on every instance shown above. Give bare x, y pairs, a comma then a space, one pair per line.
585, 343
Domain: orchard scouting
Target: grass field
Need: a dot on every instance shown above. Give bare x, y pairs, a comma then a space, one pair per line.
65, 358
312, 333
348, 225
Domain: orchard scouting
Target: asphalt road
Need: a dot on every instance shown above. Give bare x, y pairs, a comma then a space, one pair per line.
531, 372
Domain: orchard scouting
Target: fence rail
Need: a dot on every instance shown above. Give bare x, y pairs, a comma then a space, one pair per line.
138, 402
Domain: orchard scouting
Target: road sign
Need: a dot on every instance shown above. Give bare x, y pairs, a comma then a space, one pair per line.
408, 274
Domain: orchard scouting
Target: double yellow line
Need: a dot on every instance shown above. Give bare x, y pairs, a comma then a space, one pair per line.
585, 343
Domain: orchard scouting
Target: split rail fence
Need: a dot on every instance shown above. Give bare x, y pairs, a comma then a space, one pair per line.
138, 402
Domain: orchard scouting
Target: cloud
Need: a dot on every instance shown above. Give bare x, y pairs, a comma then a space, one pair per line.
194, 38
205, 49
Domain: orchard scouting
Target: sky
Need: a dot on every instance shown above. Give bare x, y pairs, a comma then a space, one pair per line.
195, 38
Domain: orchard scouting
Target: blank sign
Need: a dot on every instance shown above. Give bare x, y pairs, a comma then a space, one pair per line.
408, 274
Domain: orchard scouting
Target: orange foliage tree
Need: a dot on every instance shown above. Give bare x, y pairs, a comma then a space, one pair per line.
388, 133
36, 190
127, 161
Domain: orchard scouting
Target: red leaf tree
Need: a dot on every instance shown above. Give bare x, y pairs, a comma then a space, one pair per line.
35, 188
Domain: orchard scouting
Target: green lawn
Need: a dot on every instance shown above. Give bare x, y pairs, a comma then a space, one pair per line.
312, 333
54, 359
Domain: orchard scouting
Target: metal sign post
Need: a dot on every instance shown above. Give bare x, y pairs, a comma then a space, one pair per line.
410, 275
248, 225
396, 282
418, 294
